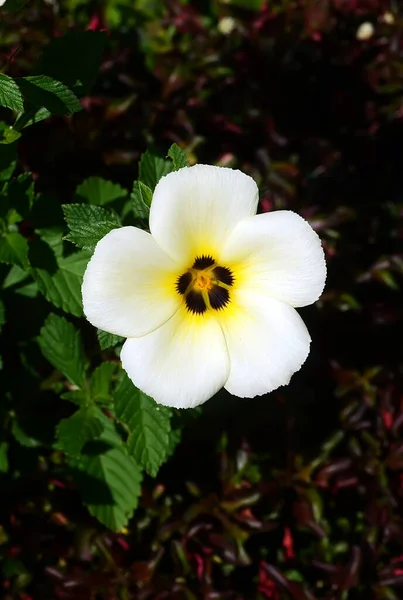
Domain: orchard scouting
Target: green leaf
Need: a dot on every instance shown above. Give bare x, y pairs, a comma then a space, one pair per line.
101, 382
61, 345
30, 290
108, 340
44, 91
110, 481
96, 190
178, 156
74, 432
141, 197
78, 397
74, 59
63, 286
3, 457
15, 275
14, 249
25, 121
9, 135
148, 424
53, 236
152, 168
10, 93
88, 224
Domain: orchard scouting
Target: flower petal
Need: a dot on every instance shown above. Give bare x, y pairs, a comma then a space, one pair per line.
279, 255
181, 364
129, 284
194, 209
267, 342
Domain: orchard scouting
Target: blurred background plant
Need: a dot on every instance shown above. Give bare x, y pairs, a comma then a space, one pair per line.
298, 495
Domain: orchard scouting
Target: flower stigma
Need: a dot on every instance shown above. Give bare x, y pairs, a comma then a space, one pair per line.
206, 285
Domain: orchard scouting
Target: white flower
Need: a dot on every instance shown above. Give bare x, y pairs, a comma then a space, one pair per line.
207, 299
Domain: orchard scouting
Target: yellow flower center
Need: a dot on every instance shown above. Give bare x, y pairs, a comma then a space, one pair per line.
203, 281
205, 285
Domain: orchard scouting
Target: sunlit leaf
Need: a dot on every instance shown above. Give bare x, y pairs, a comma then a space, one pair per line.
88, 224
10, 93
44, 91
178, 156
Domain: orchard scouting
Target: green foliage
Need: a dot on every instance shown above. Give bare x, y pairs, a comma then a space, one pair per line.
33, 93
98, 191
88, 224
67, 69
9, 135
148, 425
101, 381
83, 426
141, 197
110, 482
31, 117
43, 91
107, 460
78, 397
14, 249
114, 432
108, 340
10, 93
178, 156
152, 168
62, 285
60, 343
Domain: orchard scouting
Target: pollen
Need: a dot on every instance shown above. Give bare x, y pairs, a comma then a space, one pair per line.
205, 286
203, 282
